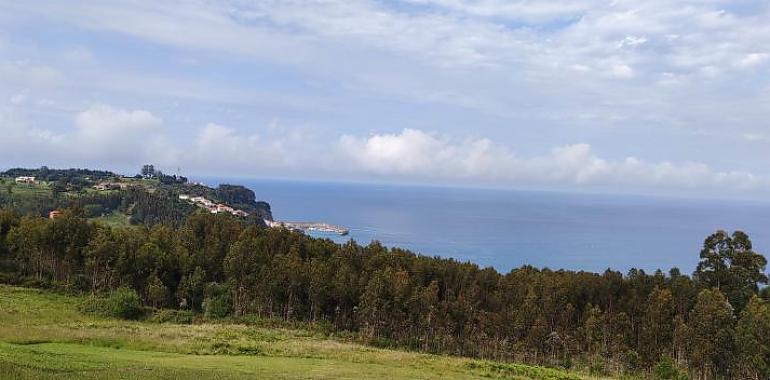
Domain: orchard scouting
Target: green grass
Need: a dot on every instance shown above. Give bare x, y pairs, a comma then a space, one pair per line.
24, 189
43, 336
114, 219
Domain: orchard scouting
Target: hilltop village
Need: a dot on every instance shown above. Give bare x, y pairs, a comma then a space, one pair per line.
211, 206
149, 197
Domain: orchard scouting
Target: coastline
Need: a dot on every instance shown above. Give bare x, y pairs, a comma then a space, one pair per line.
309, 226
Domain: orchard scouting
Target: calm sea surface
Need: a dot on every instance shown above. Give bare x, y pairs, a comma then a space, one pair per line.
507, 229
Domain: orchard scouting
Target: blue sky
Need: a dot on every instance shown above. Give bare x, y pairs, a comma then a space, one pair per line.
655, 96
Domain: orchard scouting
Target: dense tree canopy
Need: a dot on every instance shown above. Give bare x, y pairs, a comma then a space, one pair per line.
728, 263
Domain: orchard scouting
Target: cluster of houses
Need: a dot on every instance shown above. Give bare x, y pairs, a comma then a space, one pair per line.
24, 179
102, 186
213, 207
307, 226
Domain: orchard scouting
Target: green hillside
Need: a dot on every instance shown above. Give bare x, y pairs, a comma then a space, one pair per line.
44, 336
118, 200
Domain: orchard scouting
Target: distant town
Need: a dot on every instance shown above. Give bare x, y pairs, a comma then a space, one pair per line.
213, 207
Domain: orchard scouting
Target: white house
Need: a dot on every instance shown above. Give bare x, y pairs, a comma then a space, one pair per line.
24, 179
224, 208
202, 201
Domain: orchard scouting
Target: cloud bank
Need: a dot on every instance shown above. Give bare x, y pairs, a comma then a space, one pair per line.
130, 138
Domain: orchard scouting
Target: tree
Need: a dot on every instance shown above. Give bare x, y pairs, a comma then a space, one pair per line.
148, 171
657, 326
751, 340
243, 267
191, 289
28, 242
67, 236
712, 268
218, 302
711, 334
728, 263
765, 293
156, 291
8, 220
592, 330
100, 257
746, 271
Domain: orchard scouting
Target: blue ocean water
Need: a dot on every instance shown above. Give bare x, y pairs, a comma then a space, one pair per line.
507, 229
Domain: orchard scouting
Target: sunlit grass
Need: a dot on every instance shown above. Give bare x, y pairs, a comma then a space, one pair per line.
44, 336
113, 219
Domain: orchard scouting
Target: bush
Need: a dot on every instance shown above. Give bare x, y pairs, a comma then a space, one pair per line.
218, 302
597, 365
519, 371
31, 282
93, 210
172, 316
666, 369
80, 283
11, 278
122, 303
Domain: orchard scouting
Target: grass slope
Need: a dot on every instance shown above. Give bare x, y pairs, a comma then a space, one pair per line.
9, 186
43, 336
114, 219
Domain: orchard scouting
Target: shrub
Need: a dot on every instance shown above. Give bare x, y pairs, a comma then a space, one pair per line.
80, 283
172, 316
521, 371
122, 303
596, 365
93, 210
31, 282
218, 302
666, 369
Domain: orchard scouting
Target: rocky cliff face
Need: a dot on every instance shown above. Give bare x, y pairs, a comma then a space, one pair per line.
243, 198
263, 210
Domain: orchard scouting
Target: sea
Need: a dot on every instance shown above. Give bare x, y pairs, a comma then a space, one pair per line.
507, 229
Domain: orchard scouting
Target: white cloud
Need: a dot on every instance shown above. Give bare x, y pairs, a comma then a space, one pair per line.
632, 41
416, 155
753, 59
127, 138
100, 134
117, 134
621, 70
269, 150
18, 99
525, 10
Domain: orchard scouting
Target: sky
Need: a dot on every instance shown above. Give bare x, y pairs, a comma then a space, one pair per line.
627, 96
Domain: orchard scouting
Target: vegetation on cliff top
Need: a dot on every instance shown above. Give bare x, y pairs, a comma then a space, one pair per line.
148, 198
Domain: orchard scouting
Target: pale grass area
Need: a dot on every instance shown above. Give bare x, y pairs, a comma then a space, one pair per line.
47, 329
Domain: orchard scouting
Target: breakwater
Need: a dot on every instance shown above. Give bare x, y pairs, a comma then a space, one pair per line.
308, 226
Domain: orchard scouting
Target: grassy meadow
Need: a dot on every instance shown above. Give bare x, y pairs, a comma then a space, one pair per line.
44, 336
